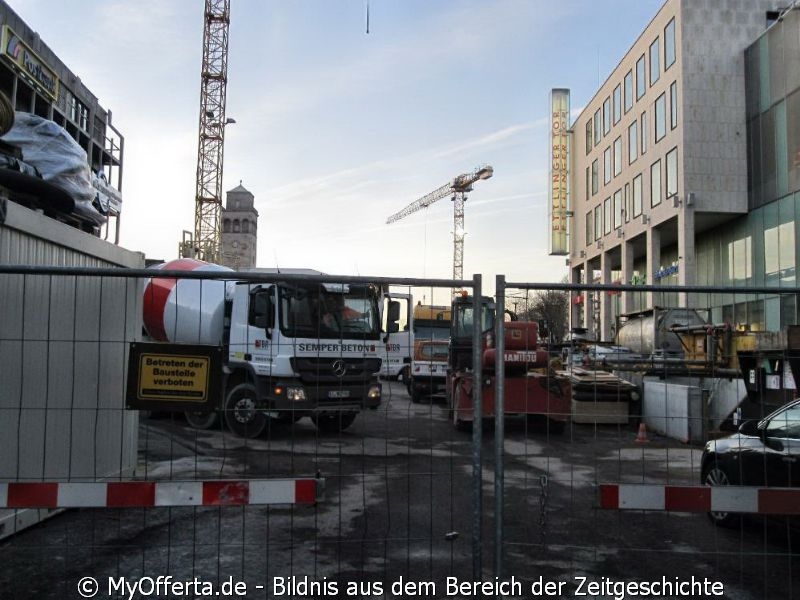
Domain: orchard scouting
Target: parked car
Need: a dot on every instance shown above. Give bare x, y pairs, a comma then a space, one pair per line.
763, 453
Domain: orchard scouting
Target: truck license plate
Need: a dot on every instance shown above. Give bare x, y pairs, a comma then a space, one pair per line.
339, 394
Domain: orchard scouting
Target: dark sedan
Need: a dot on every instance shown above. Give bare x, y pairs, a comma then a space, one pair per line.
763, 453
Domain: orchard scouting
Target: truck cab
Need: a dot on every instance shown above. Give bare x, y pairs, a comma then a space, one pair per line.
302, 349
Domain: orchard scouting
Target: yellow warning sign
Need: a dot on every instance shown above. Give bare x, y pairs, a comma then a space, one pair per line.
174, 377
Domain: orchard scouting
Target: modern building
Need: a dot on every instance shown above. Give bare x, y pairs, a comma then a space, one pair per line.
684, 166
38, 82
239, 229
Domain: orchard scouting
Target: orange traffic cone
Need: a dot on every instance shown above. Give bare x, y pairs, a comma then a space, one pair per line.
641, 437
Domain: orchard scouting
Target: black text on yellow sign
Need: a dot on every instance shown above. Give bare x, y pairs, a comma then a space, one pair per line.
172, 377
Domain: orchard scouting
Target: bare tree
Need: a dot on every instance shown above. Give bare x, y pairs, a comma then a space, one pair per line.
551, 308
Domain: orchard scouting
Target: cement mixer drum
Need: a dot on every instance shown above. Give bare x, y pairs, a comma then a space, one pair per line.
186, 311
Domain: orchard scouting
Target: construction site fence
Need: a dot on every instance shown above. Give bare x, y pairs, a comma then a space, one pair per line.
609, 498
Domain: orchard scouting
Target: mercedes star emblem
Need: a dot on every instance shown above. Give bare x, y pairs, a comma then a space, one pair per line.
339, 368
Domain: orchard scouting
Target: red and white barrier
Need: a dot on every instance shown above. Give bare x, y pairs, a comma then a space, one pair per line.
700, 498
128, 494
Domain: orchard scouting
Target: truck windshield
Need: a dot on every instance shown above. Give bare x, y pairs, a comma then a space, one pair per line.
319, 313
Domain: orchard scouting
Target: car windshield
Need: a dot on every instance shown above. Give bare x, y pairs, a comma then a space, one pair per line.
785, 424
328, 312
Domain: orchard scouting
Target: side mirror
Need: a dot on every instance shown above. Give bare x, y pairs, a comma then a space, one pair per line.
393, 316
749, 427
261, 313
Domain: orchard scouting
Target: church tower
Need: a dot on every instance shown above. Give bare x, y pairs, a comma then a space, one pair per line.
239, 229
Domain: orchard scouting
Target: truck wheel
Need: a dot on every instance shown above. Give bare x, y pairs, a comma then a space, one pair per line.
416, 395
459, 423
333, 422
201, 419
241, 414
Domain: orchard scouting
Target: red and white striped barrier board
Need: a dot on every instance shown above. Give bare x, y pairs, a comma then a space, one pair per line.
128, 494
700, 498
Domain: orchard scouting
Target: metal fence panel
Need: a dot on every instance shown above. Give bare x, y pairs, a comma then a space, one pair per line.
619, 503
137, 496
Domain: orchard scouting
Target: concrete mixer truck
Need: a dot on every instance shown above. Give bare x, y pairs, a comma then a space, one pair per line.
291, 348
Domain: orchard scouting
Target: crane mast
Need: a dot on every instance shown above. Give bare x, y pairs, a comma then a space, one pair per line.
457, 189
213, 83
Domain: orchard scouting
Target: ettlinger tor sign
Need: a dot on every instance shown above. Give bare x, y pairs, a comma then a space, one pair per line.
174, 377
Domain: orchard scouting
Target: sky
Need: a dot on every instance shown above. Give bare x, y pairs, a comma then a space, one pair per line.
337, 128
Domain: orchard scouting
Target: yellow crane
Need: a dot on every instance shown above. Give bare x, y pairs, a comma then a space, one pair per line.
457, 189
206, 243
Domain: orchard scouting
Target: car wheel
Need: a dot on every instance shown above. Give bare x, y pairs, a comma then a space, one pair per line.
333, 422
715, 475
241, 414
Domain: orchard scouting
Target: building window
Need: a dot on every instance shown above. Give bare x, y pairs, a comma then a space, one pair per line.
598, 222
633, 142
589, 232
628, 208
641, 81
669, 44
637, 195
245, 227
617, 209
588, 136
236, 226
597, 127
673, 105
655, 183
628, 91
661, 117
655, 68
226, 226
607, 215
588, 182
779, 248
607, 165
644, 133
595, 177
617, 156
606, 116
617, 104
672, 173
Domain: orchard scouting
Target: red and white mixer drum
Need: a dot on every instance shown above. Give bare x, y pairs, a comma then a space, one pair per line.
188, 311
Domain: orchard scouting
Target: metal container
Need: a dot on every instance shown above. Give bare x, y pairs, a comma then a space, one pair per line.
648, 333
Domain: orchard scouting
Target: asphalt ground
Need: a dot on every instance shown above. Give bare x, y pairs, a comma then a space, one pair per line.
397, 510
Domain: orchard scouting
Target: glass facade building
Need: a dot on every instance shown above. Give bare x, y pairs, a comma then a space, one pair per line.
761, 248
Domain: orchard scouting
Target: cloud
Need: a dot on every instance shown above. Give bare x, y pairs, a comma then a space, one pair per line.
494, 139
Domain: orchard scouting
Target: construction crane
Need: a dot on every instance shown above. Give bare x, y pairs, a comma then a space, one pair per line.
213, 84
457, 189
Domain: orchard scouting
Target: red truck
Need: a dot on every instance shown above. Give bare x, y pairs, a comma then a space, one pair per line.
532, 389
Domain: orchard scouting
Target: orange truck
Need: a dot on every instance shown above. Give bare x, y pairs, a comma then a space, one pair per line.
431, 349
